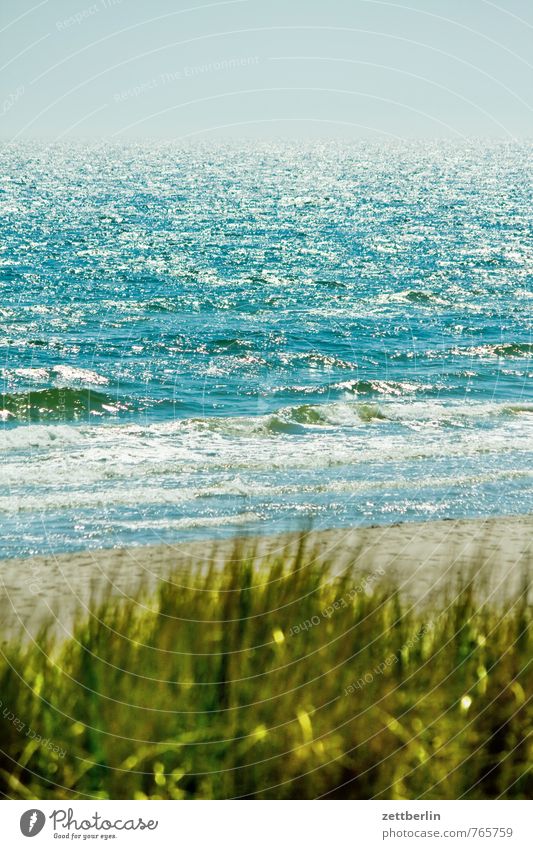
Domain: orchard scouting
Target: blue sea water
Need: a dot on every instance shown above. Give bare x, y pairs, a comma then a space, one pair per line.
204, 339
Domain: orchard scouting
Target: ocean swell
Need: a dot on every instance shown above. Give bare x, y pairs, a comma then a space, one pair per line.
57, 403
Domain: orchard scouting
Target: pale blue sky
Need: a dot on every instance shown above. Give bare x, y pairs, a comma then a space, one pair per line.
423, 68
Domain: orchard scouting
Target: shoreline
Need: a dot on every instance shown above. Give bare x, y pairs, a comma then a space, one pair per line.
284, 680
425, 560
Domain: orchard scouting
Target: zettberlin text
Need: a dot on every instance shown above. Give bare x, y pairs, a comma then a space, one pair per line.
407, 815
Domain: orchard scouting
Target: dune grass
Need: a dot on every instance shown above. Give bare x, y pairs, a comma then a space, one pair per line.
273, 679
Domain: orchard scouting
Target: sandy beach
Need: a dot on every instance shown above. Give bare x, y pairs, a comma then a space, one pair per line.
427, 560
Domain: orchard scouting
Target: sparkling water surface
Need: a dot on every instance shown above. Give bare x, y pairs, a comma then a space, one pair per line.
198, 340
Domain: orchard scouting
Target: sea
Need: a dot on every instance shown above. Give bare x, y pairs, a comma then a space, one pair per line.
199, 340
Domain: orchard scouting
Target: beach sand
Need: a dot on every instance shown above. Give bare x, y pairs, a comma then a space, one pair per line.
427, 560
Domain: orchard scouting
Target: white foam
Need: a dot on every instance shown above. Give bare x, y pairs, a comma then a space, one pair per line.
193, 522
38, 436
70, 375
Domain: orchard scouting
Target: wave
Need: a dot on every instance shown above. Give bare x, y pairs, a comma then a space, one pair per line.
316, 359
226, 344
250, 489
307, 417
45, 410
62, 375
79, 375
189, 522
57, 404
247, 490
502, 349
382, 387
516, 409
162, 304
370, 413
413, 296
288, 420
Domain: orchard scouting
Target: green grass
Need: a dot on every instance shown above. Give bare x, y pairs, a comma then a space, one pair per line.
213, 689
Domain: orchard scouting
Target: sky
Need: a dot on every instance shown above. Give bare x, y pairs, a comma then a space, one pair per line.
186, 69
